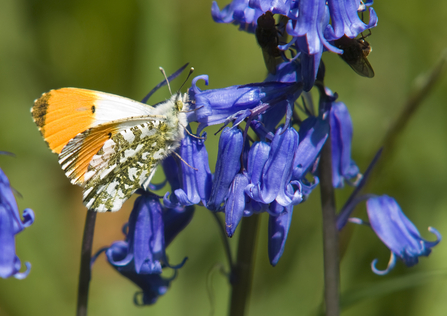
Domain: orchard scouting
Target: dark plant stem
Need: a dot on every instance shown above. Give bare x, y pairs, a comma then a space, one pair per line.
86, 257
330, 234
242, 271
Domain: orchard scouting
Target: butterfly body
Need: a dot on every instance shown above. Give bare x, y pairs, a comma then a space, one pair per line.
109, 145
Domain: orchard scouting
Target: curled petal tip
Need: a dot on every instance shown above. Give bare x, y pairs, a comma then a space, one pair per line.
390, 266
22, 275
437, 234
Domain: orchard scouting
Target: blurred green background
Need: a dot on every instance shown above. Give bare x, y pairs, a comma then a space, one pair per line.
117, 47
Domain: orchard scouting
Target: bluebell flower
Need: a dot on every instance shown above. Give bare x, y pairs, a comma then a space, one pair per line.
345, 20
192, 183
146, 234
216, 106
11, 225
275, 183
141, 256
313, 134
314, 25
397, 232
343, 167
278, 229
228, 166
236, 202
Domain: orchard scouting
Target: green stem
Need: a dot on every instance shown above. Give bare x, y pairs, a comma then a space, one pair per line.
242, 271
330, 234
86, 257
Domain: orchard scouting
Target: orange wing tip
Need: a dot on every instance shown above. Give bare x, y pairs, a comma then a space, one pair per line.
64, 113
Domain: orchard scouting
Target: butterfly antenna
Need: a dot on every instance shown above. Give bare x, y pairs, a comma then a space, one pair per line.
189, 75
191, 134
179, 157
166, 78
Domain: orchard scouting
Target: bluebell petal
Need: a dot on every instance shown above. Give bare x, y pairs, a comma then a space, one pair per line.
343, 167
396, 231
196, 183
277, 171
254, 207
278, 230
146, 234
214, 106
257, 157
345, 19
235, 204
175, 220
227, 166
10, 225
313, 134
7, 244
310, 25
275, 6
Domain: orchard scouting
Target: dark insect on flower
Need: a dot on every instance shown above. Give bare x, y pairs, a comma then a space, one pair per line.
355, 53
268, 35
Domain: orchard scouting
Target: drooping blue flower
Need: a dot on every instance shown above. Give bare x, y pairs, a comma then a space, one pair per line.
146, 234
345, 20
11, 225
216, 106
194, 175
313, 134
275, 182
313, 24
236, 202
141, 256
343, 167
397, 232
228, 166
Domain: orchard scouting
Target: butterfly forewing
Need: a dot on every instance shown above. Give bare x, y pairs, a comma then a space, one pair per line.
115, 144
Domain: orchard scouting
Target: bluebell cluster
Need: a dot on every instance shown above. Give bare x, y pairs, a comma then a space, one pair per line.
269, 163
10, 225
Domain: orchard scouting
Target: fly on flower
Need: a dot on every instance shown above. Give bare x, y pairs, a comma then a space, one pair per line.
355, 53
109, 145
267, 36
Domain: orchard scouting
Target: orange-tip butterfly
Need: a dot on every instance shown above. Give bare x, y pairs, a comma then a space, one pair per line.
109, 145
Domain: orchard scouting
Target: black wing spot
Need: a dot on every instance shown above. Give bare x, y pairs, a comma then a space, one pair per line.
93, 109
